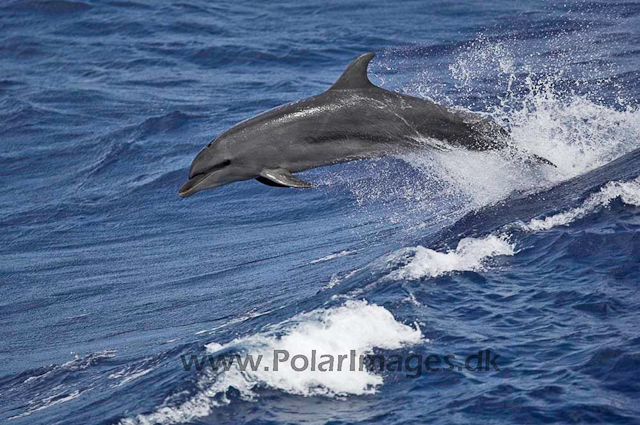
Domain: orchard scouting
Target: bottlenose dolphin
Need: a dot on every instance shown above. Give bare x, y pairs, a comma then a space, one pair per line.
353, 119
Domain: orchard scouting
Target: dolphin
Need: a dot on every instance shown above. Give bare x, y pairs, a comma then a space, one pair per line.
352, 120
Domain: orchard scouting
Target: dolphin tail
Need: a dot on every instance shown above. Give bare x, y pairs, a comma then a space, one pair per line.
540, 160
530, 158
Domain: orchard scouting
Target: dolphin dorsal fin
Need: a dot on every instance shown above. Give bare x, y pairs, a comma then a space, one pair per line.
355, 76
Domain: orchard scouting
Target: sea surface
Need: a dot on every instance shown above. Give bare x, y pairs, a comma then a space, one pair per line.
109, 280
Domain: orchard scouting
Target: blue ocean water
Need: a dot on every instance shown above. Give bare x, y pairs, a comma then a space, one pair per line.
108, 277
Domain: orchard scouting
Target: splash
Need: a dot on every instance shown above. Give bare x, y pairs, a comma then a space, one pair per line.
565, 107
552, 106
578, 134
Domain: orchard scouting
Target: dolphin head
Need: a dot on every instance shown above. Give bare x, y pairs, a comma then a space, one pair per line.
214, 166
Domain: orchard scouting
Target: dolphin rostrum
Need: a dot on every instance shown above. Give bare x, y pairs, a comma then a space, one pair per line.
352, 120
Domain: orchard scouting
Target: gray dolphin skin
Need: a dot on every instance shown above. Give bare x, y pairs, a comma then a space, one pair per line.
352, 120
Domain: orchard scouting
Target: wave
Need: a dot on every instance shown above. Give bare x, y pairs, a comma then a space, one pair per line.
128, 374
470, 255
628, 192
40, 389
356, 326
47, 402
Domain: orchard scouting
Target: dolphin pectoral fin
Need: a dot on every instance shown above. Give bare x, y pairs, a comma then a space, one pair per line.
281, 178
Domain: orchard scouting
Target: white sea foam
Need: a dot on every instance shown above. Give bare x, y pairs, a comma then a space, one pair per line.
356, 326
333, 281
471, 254
628, 192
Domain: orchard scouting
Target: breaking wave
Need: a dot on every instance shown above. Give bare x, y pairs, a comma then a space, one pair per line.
356, 326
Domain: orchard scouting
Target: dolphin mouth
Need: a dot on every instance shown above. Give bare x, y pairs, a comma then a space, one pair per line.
191, 186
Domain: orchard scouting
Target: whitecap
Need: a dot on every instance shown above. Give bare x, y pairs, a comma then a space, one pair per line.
628, 192
355, 326
471, 254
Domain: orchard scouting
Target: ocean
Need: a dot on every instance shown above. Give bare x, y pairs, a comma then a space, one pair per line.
495, 291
